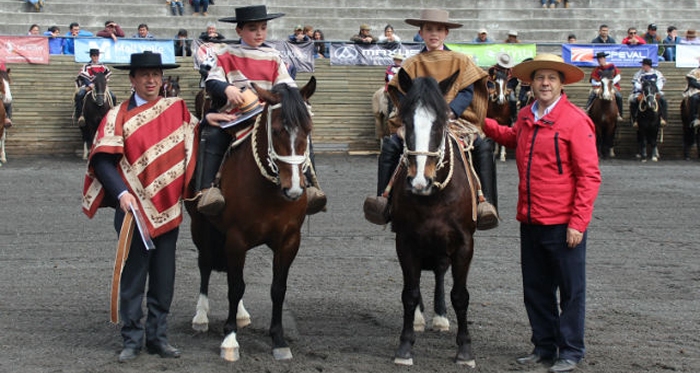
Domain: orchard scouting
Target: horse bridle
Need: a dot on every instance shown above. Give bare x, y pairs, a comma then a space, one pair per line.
272, 156
643, 104
439, 153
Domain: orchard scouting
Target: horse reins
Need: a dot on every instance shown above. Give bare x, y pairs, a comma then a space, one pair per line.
440, 154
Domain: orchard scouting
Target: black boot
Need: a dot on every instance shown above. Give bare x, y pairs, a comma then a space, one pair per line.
376, 208
485, 166
618, 99
315, 198
212, 146
664, 110
591, 97
633, 114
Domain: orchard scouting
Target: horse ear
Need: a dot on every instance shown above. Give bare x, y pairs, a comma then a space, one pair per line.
308, 90
177, 78
405, 81
446, 84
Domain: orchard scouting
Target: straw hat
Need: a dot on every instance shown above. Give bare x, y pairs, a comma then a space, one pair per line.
433, 16
397, 56
146, 60
504, 60
524, 70
253, 13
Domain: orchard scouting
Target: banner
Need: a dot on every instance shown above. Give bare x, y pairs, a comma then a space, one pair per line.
485, 55
24, 49
300, 55
370, 54
621, 55
121, 51
687, 55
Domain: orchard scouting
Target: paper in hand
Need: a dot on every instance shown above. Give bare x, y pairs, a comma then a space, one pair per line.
143, 231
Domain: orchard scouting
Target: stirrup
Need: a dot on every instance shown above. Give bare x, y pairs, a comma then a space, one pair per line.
211, 202
376, 209
81, 121
486, 216
315, 200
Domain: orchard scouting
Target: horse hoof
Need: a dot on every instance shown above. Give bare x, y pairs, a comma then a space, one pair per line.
503, 158
282, 353
230, 353
470, 363
441, 324
242, 322
402, 361
200, 327
654, 159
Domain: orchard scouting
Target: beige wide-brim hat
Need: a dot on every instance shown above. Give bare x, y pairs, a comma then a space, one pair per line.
433, 16
524, 70
504, 60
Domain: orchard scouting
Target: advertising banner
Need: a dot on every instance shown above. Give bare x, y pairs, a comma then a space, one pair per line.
24, 49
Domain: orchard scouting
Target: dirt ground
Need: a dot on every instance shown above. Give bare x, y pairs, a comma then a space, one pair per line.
343, 309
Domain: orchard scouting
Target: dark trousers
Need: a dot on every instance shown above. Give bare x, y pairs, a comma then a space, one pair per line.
158, 266
548, 265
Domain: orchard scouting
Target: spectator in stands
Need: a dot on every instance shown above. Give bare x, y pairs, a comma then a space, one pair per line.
651, 37
37, 4
143, 32
74, 31
389, 35
482, 37
417, 38
647, 73
571, 39
84, 83
692, 91
632, 38
512, 37
298, 36
176, 6
33, 30
604, 36
690, 37
55, 40
320, 47
111, 31
200, 4
364, 36
670, 42
597, 75
183, 46
504, 62
552, 3
227, 82
211, 35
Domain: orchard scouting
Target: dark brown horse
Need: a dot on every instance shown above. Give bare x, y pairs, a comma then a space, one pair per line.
6, 101
263, 184
95, 106
170, 87
603, 113
691, 135
432, 211
499, 108
649, 119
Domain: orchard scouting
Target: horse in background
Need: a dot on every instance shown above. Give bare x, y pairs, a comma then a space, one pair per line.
433, 211
649, 120
171, 87
499, 108
5, 110
262, 180
96, 104
691, 135
603, 112
380, 109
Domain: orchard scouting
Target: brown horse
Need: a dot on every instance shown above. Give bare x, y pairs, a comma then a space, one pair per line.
691, 135
380, 109
96, 104
263, 183
170, 87
433, 211
499, 108
5, 105
603, 112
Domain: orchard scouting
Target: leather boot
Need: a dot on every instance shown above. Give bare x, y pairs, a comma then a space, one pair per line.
376, 208
485, 166
212, 145
618, 99
315, 197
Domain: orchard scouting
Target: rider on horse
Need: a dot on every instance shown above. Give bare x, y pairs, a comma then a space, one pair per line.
468, 101
235, 66
597, 75
503, 65
647, 73
692, 92
84, 83
5, 97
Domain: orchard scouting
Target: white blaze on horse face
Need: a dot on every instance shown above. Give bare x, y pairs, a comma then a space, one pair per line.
501, 91
606, 89
295, 190
423, 122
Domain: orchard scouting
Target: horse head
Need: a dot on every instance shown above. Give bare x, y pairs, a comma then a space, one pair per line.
287, 128
5, 93
100, 88
424, 113
649, 91
171, 87
607, 89
499, 93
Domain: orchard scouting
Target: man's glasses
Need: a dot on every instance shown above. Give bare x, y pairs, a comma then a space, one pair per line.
633, 33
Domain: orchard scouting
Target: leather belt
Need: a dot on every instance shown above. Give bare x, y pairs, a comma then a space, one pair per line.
126, 235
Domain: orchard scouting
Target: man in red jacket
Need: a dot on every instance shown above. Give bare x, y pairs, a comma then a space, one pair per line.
555, 151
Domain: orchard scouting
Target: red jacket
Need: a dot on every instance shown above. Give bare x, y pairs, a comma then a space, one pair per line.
557, 162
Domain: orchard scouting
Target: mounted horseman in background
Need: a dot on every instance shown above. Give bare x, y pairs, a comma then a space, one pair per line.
84, 83
604, 68
692, 93
502, 68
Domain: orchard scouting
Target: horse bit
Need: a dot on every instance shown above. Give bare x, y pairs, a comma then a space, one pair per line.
440, 154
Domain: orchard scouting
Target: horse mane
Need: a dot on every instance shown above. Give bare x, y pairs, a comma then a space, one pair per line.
425, 91
295, 112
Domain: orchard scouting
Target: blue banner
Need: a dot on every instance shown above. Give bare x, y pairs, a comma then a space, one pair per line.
370, 54
121, 51
621, 55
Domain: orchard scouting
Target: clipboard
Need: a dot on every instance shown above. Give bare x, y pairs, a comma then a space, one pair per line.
242, 118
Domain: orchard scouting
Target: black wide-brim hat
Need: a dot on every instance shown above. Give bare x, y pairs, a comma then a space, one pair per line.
253, 13
146, 60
